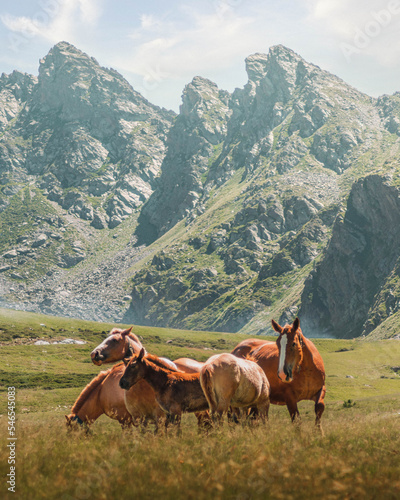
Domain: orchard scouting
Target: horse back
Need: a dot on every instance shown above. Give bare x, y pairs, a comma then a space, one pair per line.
188, 365
245, 347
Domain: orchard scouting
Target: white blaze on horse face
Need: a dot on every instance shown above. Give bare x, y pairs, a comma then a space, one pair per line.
282, 356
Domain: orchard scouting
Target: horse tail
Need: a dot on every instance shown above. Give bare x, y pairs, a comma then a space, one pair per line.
87, 391
208, 388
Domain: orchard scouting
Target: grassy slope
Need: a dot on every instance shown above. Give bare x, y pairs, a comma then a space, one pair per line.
358, 458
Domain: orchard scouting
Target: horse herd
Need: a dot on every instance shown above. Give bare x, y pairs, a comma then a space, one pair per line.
144, 387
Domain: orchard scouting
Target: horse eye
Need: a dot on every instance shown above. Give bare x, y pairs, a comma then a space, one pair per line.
294, 344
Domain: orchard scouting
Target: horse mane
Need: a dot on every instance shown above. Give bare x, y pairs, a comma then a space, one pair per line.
135, 338
155, 360
250, 357
158, 365
87, 391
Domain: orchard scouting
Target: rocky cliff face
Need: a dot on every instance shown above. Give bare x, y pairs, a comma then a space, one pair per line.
83, 133
296, 135
212, 219
355, 285
193, 142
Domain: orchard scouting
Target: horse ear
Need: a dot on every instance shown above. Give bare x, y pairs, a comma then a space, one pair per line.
141, 353
276, 327
296, 324
126, 332
126, 361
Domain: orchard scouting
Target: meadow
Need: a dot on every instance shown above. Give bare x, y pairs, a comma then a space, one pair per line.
358, 456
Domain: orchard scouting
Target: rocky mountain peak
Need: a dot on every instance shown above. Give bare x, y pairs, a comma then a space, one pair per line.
196, 93
278, 68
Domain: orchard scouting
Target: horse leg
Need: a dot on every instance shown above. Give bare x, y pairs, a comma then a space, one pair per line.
233, 415
263, 410
293, 410
204, 422
319, 407
178, 425
144, 421
168, 420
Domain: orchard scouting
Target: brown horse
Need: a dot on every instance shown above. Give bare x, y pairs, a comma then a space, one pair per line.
228, 381
116, 347
176, 392
104, 395
122, 344
294, 368
101, 395
140, 400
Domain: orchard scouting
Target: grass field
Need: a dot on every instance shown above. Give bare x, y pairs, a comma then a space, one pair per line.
358, 457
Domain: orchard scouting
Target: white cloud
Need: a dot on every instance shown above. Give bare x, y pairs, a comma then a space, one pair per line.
185, 42
361, 28
56, 19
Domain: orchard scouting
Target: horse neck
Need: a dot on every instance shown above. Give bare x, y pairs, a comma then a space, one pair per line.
307, 352
134, 343
156, 376
87, 407
135, 339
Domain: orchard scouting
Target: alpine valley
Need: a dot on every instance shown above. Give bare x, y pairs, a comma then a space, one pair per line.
280, 199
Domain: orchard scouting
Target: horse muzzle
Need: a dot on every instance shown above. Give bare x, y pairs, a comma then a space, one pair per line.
97, 358
286, 375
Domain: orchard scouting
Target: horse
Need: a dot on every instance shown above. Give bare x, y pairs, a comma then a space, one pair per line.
294, 368
121, 344
139, 400
188, 365
176, 392
101, 395
116, 347
228, 381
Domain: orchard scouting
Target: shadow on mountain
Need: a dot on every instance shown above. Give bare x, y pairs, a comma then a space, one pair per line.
146, 232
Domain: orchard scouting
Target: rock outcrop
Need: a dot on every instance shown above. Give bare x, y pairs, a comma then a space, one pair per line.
193, 143
354, 287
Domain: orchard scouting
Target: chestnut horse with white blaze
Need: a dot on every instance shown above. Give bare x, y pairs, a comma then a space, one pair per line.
293, 366
228, 381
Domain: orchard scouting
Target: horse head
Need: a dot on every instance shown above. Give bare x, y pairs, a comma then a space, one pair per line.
73, 421
115, 347
290, 345
134, 370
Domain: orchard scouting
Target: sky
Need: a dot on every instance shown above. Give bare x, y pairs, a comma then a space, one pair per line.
159, 46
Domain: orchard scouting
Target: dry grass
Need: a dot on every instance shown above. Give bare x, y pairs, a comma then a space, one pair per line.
358, 458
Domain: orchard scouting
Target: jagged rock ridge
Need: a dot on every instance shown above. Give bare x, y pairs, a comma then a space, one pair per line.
242, 193
83, 133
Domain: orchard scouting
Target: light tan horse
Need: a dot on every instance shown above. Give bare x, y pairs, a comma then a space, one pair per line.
228, 381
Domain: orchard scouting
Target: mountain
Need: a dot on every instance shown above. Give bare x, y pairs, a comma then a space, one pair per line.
278, 199
83, 131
